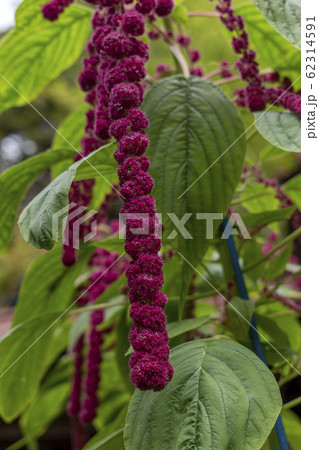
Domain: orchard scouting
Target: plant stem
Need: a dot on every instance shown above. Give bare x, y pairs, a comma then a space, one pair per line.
292, 403
202, 14
288, 378
291, 237
227, 80
238, 77
249, 197
287, 302
19, 444
212, 74
175, 49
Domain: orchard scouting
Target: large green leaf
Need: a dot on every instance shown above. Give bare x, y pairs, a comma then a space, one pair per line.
284, 16
36, 220
197, 150
37, 50
13, 186
282, 129
48, 285
24, 357
221, 397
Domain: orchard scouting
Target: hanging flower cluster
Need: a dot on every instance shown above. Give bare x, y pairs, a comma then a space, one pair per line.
112, 76
123, 75
83, 401
246, 64
256, 95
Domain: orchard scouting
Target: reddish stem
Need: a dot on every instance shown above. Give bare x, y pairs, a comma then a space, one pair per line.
288, 302
202, 14
79, 434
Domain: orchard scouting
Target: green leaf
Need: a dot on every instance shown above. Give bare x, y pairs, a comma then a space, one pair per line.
253, 253
114, 393
48, 285
289, 67
240, 314
69, 135
278, 264
50, 400
267, 217
71, 131
221, 396
36, 220
284, 16
259, 198
282, 129
38, 50
177, 328
293, 428
272, 442
180, 14
47, 405
194, 172
279, 326
80, 325
13, 186
104, 440
271, 47
109, 437
293, 189
287, 322
113, 292
271, 331
24, 356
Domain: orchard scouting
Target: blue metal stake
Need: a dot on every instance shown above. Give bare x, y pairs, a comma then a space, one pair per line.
280, 430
